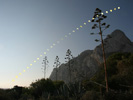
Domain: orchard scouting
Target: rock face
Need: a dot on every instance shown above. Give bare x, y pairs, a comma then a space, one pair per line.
86, 64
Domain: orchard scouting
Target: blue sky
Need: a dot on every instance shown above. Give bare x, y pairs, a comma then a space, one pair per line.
29, 27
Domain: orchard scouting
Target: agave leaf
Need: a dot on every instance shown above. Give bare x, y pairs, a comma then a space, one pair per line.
97, 9
92, 20
100, 18
97, 20
104, 16
93, 27
91, 33
107, 26
96, 40
104, 24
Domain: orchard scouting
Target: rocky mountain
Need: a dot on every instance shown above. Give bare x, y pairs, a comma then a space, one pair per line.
87, 63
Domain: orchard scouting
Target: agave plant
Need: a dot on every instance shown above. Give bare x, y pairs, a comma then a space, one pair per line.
74, 91
77, 90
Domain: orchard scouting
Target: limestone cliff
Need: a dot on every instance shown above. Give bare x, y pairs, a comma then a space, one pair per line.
86, 64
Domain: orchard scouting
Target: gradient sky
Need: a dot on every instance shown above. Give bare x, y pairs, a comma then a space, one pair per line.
29, 27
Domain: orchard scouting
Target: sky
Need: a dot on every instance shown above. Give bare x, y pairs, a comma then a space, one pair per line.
29, 27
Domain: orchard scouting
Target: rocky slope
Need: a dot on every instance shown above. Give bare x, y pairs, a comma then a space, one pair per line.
86, 64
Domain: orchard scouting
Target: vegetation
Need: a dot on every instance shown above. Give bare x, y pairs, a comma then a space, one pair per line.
45, 64
57, 64
120, 68
98, 18
69, 61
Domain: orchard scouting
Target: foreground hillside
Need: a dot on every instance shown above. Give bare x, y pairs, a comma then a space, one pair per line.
120, 76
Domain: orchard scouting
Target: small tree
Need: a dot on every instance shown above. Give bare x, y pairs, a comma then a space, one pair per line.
57, 63
69, 58
44, 65
98, 17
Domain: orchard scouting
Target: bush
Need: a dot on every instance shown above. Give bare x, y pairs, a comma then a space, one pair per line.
118, 96
91, 95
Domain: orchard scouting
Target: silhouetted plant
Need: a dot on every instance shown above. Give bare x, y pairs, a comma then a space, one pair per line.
42, 86
69, 58
74, 91
98, 17
3, 95
57, 64
44, 65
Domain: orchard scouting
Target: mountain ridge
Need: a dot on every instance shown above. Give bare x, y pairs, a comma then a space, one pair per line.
87, 63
